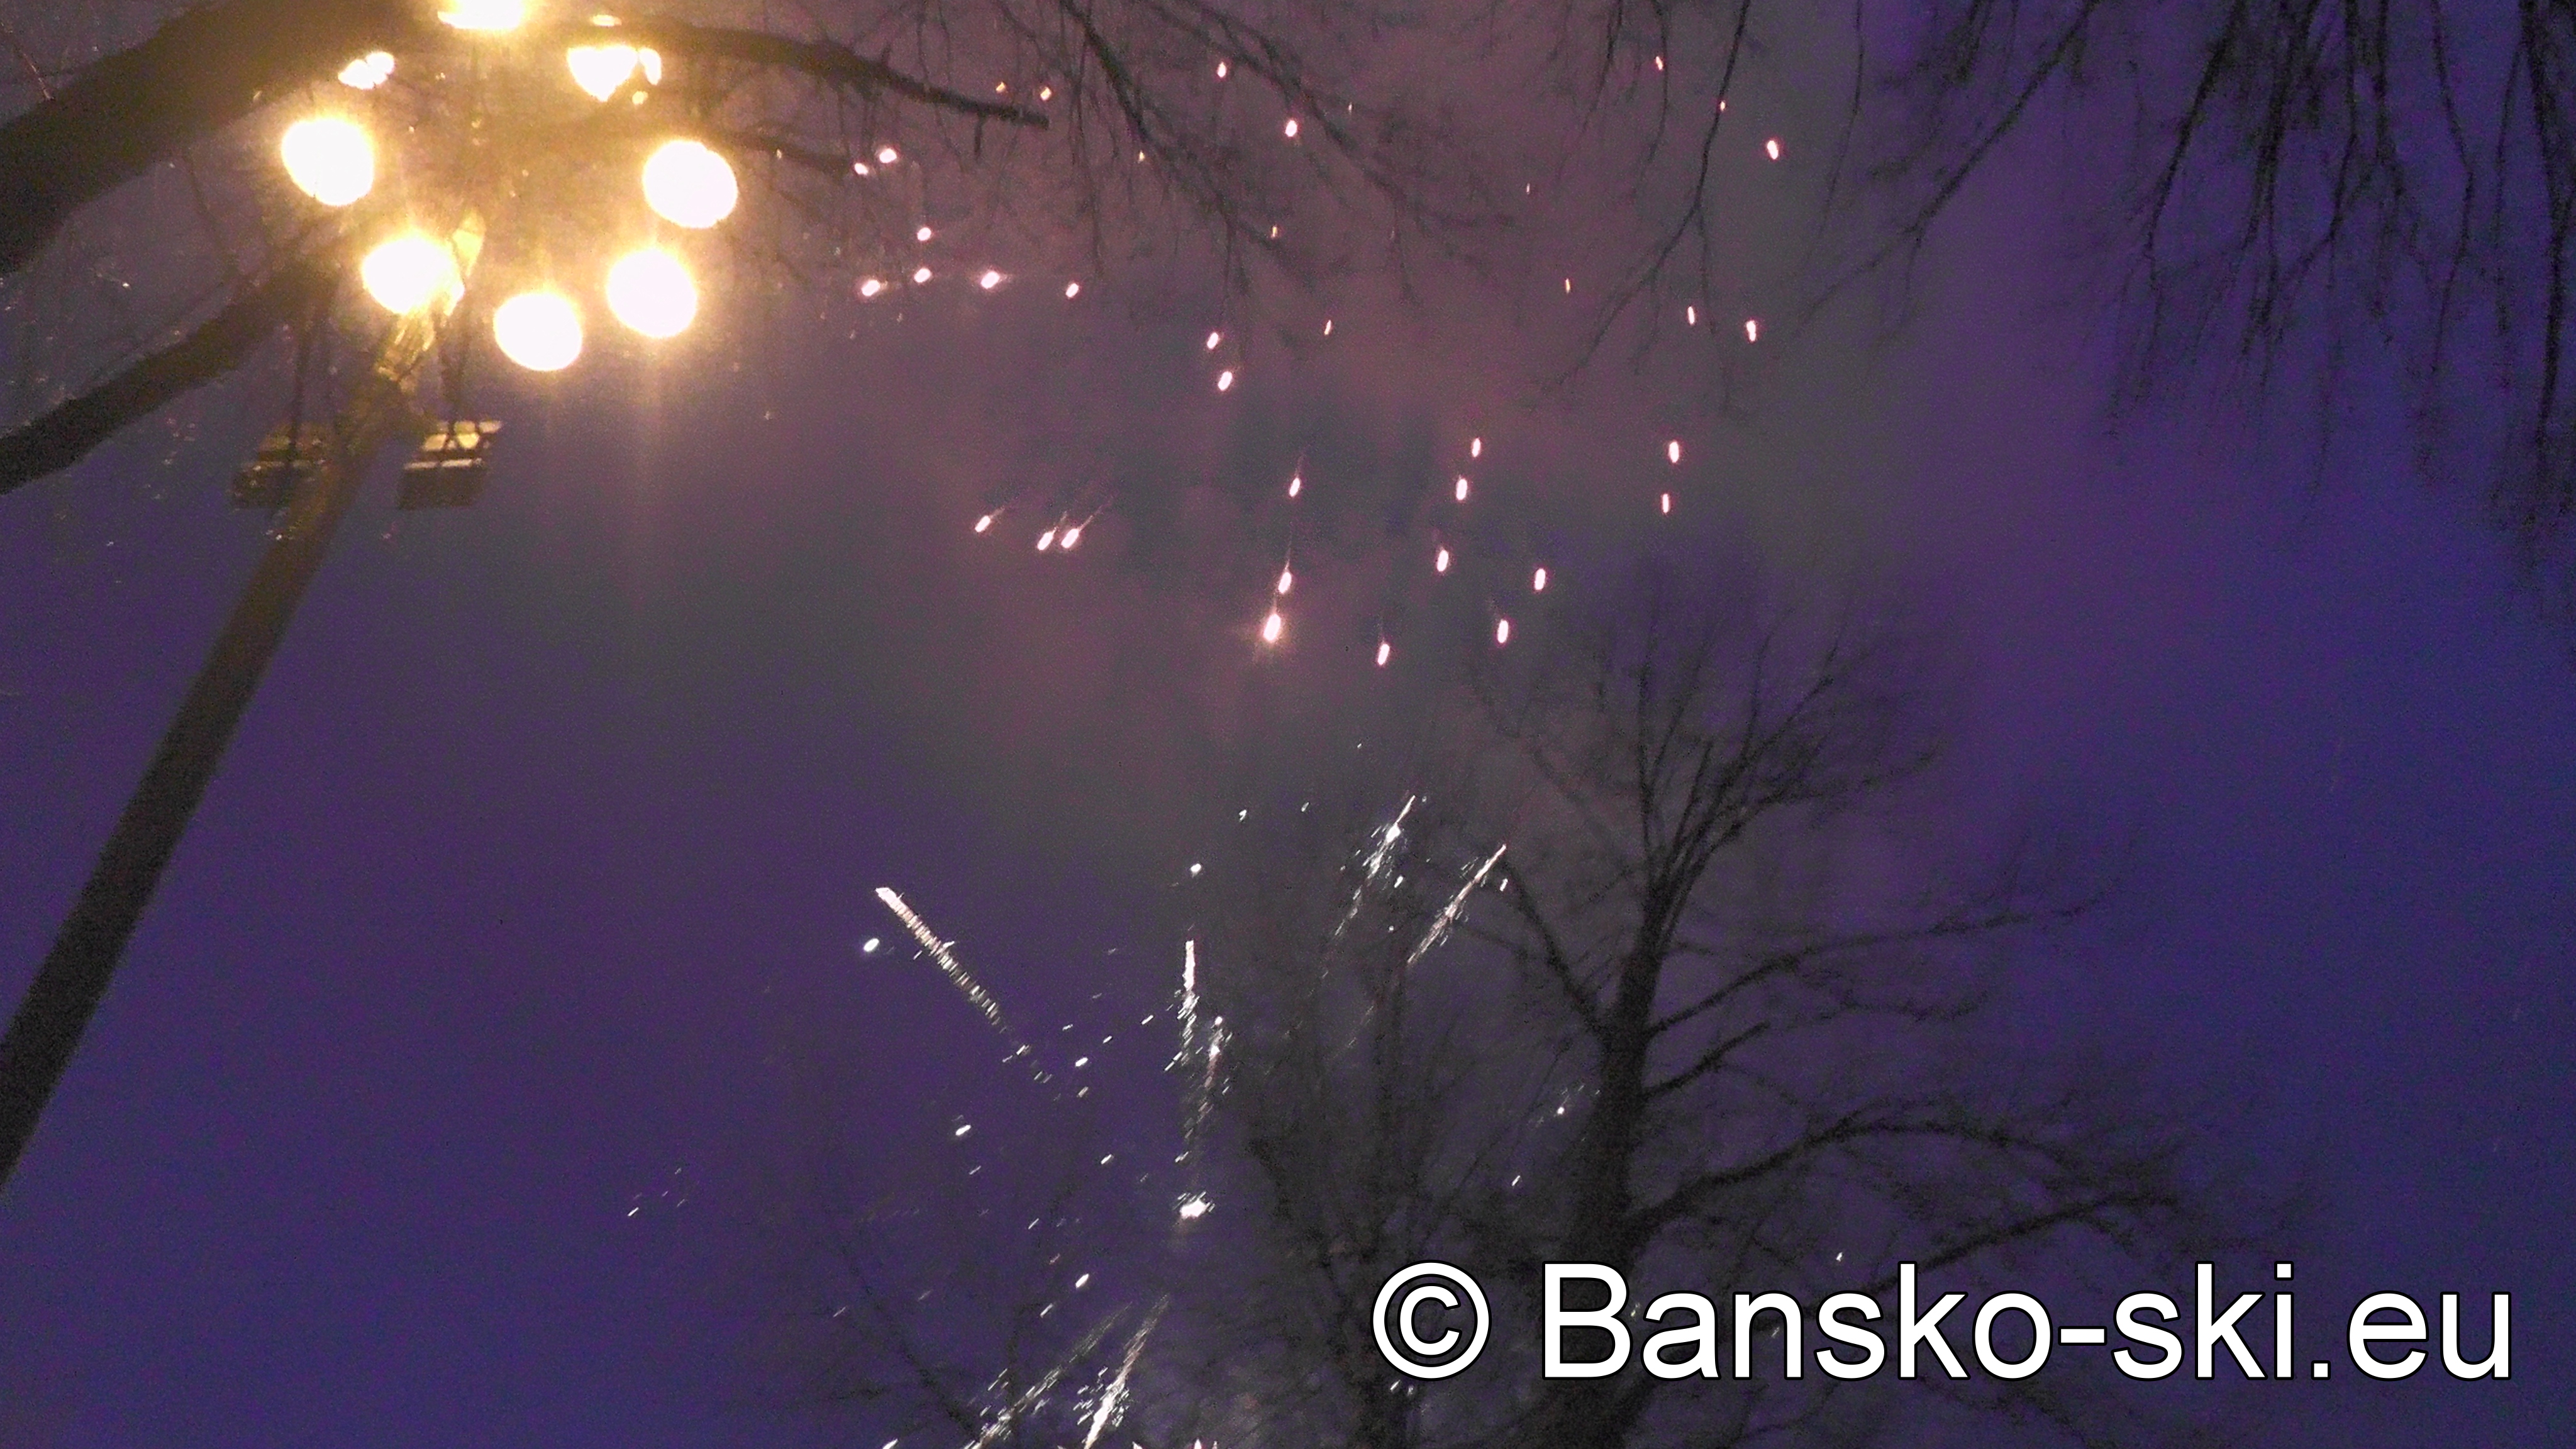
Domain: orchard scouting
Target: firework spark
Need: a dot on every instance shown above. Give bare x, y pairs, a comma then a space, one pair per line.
1113, 1400
944, 952
1448, 916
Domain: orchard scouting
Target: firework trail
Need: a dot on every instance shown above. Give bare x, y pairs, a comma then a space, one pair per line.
1189, 1001
1380, 856
941, 952
1205, 1098
1001, 1424
1113, 1400
1448, 916
1206, 1045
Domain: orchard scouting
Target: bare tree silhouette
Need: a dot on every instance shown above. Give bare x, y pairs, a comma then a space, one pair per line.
1651, 984
2367, 205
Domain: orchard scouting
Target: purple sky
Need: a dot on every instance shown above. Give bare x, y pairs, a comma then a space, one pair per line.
541, 856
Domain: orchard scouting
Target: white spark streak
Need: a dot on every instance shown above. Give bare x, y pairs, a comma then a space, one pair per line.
1373, 865
1000, 1425
944, 953
1189, 1000
1113, 1400
1448, 916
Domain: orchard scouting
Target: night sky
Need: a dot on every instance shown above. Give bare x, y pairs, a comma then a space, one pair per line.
440, 1091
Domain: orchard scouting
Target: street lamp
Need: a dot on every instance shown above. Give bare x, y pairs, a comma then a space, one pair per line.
307, 473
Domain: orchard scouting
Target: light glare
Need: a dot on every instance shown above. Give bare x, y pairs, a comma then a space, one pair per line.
540, 331
600, 69
688, 185
652, 294
368, 71
487, 16
329, 158
408, 273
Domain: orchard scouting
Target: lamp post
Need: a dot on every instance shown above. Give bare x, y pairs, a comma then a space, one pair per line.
310, 476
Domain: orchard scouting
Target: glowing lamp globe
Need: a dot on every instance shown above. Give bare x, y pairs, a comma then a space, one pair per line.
600, 69
651, 292
688, 185
409, 273
484, 15
540, 331
368, 71
329, 158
